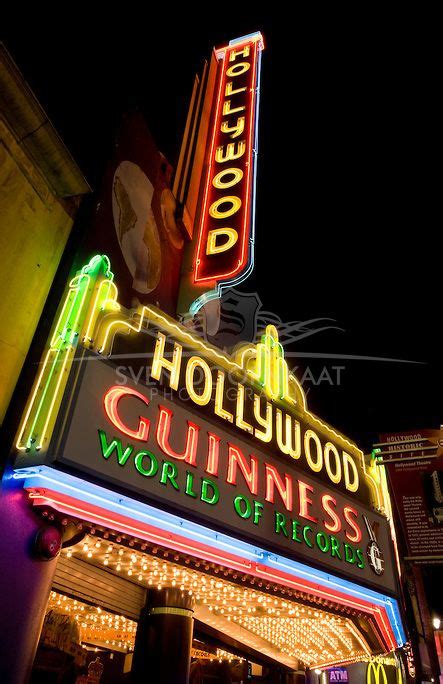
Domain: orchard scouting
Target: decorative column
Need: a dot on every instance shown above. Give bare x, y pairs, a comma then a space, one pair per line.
28, 551
163, 642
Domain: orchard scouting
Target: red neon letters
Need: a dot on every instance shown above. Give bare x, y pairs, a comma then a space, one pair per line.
164, 433
305, 501
236, 459
329, 505
111, 401
219, 458
273, 479
351, 516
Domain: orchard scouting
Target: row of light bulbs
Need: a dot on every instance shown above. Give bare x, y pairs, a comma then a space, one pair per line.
94, 622
299, 640
225, 655
360, 658
295, 630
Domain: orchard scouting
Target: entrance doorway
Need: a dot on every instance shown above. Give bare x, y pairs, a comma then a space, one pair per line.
245, 629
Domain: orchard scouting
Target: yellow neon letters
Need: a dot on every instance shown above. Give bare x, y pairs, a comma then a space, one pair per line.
231, 153
244, 52
218, 181
230, 91
159, 362
215, 247
227, 109
238, 69
234, 131
203, 398
215, 211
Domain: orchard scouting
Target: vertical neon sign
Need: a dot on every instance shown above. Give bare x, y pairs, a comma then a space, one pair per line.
225, 232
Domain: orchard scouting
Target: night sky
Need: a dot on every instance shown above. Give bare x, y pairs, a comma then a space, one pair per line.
348, 221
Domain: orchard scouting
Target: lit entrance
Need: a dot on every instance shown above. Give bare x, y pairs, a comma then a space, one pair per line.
243, 628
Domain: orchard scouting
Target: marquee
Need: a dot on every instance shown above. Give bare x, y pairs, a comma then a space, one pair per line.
251, 462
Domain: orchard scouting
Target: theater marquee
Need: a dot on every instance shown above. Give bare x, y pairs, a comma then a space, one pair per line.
135, 438
227, 439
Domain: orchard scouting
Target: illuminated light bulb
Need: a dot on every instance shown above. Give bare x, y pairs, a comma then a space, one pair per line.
106, 561
98, 544
89, 554
85, 547
129, 572
118, 568
120, 552
69, 554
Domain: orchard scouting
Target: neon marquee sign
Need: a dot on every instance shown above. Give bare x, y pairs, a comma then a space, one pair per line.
268, 404
223, 243
171, 454
220, 459
256, 455
224, 228
204, 462
73, 496
250, 408
237, 461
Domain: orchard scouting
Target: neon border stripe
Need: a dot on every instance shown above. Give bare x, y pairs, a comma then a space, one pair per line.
211, 164
69, 506
75, 496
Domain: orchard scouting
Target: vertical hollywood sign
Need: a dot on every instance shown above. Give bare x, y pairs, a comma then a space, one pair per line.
225, 234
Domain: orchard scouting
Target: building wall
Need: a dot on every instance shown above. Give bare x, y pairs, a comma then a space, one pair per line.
34, 228
40, 190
